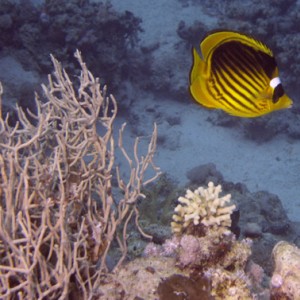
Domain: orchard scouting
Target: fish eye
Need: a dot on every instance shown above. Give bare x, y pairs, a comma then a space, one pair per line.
278, 92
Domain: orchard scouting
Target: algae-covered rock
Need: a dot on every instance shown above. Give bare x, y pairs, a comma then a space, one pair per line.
140, 278
179, 287
285, 282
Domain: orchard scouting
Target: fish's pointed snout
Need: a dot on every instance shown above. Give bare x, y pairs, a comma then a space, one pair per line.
284, 102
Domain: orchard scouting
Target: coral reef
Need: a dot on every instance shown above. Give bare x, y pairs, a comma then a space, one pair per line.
105, 37
67, 218
259, 216
203, 209
285, 281
229, 285
264, 220
202, 223
179, 287
210, 262
140, 279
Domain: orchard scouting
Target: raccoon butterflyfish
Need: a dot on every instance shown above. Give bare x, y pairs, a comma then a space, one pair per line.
238, 74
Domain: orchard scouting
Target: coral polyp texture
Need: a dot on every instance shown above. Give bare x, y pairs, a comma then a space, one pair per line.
203, 206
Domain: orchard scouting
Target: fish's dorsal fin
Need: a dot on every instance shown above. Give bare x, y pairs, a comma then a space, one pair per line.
196, 65
216, 38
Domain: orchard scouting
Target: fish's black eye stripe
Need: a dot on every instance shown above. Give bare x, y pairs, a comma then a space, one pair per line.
278, 92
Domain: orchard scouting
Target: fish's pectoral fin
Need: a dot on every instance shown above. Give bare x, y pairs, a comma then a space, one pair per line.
264, 101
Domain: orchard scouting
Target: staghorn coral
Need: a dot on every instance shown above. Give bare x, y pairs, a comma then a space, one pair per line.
203, 207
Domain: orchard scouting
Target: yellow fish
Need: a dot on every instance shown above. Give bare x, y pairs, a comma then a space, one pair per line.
238, 74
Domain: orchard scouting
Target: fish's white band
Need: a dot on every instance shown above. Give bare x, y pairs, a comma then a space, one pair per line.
274, 82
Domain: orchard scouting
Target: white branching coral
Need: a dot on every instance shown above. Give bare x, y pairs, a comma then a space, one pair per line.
203, 206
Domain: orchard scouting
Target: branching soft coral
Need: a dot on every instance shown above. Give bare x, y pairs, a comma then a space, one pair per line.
63, 201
